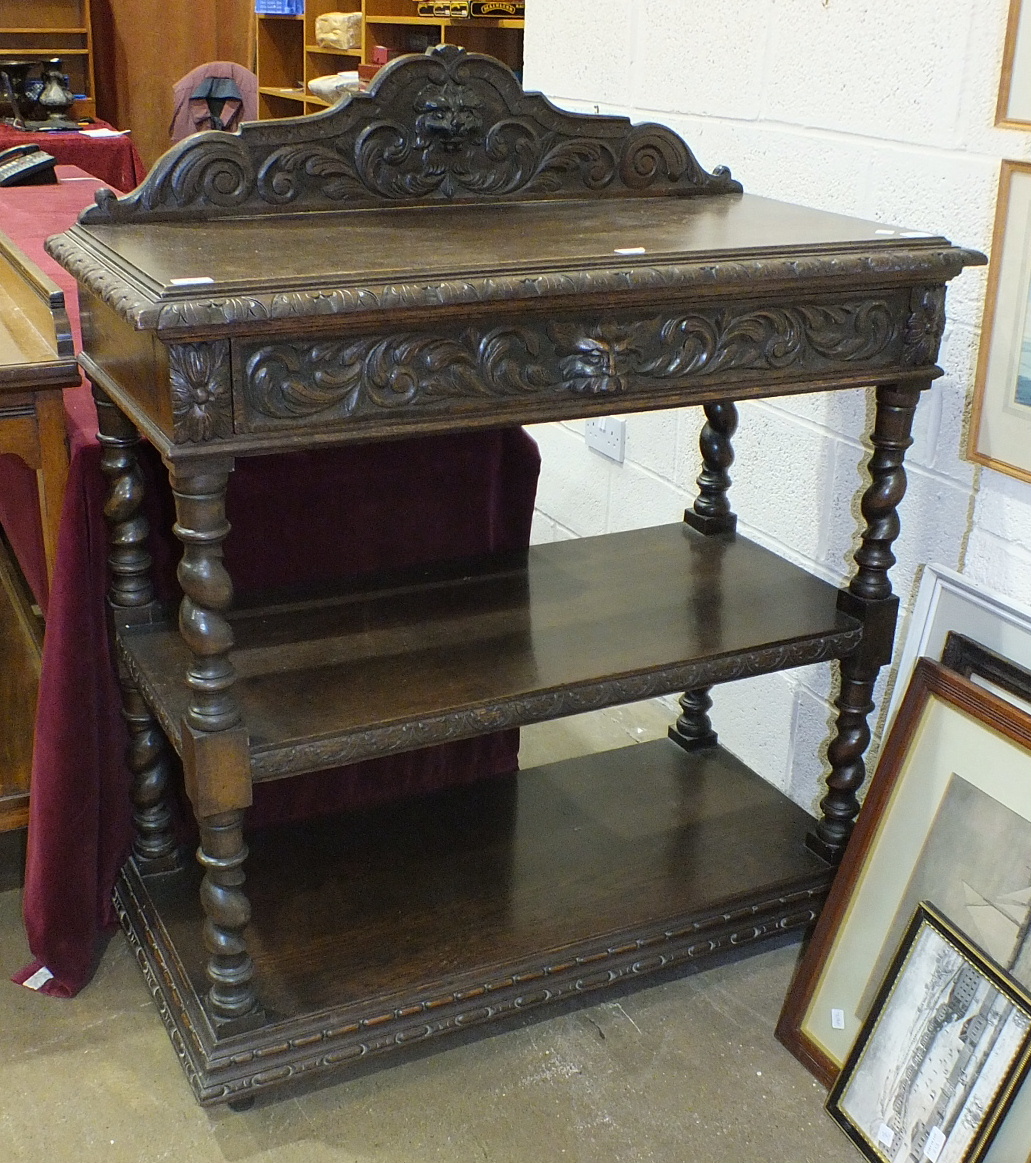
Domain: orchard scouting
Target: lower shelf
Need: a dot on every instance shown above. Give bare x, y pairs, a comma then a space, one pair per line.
386, 927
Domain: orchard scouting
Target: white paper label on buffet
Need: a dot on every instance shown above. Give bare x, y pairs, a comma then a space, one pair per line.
837, 1019
191, 282
885, 1136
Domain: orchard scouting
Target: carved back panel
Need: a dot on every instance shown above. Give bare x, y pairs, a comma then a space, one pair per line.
448, 126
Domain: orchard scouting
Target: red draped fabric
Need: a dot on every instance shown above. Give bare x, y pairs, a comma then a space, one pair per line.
114, 160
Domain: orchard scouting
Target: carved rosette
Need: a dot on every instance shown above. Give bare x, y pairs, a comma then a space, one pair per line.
291, 382
925, 325
202, 400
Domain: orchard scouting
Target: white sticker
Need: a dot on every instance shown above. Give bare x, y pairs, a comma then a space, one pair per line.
916, 234
38, 979
885, 231
837, 1019
885, 1136
629, 250
935, 1141
189, 282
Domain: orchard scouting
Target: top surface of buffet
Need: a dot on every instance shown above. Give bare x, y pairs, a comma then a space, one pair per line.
446, 184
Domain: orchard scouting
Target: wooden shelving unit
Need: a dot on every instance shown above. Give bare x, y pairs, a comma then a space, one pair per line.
288, 57
42, 29
327, 319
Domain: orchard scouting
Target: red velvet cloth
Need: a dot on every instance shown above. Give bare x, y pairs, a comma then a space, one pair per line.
325, 514
114, 160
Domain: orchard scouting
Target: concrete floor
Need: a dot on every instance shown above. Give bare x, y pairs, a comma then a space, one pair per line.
684, 1070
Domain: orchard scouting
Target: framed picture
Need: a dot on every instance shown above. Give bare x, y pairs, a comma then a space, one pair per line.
988, 669
947, 819
1014, 108
936, 1063
947, 601
1000, 428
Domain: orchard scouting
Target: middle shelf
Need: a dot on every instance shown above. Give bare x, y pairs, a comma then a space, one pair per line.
392, 663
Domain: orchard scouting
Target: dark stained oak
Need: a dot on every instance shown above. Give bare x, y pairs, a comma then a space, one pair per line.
447, 252
470, 647
391, 926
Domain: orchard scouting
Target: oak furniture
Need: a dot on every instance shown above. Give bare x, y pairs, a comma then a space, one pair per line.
448, 253
37, 361
288, 56
42, 29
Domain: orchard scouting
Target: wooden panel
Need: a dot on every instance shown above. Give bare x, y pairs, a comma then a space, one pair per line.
21, 647
586, 623
142, 47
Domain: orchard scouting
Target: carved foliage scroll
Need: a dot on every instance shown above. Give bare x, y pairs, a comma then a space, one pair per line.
289, 382
444, 126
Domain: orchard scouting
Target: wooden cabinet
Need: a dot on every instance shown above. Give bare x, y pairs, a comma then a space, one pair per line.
393, 24
41, 29
37, 362
288, 56
562, 266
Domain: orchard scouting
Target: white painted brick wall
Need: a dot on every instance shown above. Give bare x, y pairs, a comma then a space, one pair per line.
883, 111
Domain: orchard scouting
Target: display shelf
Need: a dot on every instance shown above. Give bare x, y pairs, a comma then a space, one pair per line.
288, 42
473, 647
54, 28
288, 57
384, 928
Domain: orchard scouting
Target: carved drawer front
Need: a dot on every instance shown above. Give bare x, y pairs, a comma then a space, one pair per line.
312, 382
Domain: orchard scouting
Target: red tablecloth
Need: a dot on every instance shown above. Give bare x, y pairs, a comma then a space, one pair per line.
365, 508
114, 160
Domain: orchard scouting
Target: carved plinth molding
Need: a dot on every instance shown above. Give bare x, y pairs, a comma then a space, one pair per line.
304, 1048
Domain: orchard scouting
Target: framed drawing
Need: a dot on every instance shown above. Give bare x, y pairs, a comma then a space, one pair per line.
937, 1061
947, 820
1014, 108
947, 601
1000, 428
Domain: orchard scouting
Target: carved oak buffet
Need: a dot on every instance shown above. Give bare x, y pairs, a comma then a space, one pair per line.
447, 252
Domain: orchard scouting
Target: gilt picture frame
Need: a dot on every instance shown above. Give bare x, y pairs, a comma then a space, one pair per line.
947, 819
1000, 426
1013, 110
936, 1063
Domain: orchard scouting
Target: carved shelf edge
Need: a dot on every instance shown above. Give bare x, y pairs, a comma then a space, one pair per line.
181, 314
221, 1076
447, 126
450, 725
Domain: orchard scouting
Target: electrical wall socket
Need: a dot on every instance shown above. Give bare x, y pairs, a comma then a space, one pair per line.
607, 436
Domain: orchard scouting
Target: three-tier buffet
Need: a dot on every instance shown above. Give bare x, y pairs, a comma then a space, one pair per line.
446, 252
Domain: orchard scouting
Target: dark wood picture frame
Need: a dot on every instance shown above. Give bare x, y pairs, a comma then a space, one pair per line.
974, 661
894, 829
890, 1094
